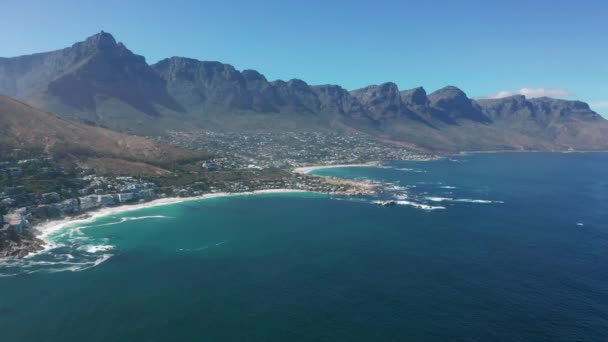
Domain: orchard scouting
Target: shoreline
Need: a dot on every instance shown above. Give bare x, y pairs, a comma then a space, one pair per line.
308, 169
44, 229
464, 153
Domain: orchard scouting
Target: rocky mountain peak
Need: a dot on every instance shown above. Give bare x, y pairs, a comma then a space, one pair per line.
374, 92
298, 84
383, 101
416, 96
450, 97
449, 92
451, 104
101, 40
252, 75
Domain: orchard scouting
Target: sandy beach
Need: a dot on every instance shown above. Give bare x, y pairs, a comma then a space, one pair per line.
309, 169
46, 228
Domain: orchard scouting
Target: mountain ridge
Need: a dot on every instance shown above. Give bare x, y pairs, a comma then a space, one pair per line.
100, 80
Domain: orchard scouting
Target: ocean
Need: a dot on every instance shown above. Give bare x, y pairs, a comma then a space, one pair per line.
486, 247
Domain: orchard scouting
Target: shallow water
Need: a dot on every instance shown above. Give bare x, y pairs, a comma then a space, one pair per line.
515, 250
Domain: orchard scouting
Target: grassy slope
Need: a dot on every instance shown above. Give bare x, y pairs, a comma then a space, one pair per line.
27, 128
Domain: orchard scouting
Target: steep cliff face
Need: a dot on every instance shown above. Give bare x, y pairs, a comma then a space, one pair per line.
415, 97
295, 96
450, 104
194, 83
84, 74
382, 101
337, 100
542, 111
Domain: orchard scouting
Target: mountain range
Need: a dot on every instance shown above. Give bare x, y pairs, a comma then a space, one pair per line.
101, 82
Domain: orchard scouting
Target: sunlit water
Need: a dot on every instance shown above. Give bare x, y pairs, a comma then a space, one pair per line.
484, 247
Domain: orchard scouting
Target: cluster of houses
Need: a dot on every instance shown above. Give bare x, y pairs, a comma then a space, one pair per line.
22, 207
285, 150
19, 168
100, 192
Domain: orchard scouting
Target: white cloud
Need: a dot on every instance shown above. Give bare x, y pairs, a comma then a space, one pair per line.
530, 93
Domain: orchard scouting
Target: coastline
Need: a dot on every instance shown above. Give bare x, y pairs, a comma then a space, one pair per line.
44, 229
309, 169
464, 153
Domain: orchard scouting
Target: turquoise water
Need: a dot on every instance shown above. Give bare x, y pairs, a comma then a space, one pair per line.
484, 247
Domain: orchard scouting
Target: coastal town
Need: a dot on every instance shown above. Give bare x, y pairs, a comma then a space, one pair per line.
289, 150
37, 188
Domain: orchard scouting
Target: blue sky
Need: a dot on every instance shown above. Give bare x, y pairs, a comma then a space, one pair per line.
486, 48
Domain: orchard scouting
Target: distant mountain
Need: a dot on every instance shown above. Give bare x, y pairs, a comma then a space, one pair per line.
100, 81
26, 128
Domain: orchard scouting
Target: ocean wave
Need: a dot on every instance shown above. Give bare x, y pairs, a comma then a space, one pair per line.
52, 263
419, 205
67, 249
461, 200
128, 219
96, 248
439, 199
467, 200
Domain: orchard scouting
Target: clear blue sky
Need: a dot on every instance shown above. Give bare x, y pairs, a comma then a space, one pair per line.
483, 47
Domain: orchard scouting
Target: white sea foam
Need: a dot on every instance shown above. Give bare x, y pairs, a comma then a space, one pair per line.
96, 248
580, 224
408, 169
467, 200
461, 200
64, 262
128, 219
68, 248
419, 205
439, 199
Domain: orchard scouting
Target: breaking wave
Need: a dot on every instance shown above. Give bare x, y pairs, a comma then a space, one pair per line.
419, 205
127, 219
466, 200
461, 200
68, 249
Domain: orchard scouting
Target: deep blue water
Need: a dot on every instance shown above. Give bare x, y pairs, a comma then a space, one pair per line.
515, 249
